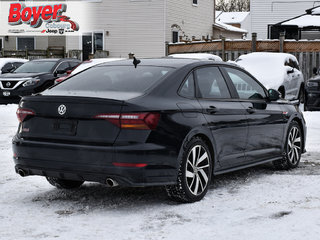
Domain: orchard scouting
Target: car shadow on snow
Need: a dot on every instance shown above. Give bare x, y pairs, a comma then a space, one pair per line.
93, 196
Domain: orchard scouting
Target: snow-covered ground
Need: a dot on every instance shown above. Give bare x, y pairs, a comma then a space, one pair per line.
257, 203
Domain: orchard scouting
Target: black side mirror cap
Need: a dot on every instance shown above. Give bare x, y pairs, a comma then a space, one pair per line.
274, 95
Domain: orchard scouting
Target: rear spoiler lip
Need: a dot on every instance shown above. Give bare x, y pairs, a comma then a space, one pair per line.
69, 99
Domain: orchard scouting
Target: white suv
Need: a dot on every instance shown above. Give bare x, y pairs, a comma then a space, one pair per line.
276, 70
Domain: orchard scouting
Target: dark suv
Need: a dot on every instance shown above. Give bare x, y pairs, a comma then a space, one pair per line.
33, 77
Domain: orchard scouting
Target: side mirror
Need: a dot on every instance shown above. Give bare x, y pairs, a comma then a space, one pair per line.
274, 95
69, 72
290, 71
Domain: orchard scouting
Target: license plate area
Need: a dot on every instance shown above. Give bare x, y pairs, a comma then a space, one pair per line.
65, 127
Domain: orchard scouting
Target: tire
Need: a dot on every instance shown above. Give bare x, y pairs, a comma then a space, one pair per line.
194, 176
64, 184
292, 148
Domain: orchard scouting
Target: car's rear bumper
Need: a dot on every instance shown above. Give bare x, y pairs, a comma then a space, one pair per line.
96, 163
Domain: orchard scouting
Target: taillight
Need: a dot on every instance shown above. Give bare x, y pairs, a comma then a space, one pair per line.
22, 113
137, 121
134, 165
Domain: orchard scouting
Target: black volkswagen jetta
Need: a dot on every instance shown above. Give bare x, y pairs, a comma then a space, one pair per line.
33, 77
172, 122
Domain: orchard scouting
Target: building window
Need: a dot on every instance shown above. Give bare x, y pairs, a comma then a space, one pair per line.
1, 43
175, 36
25, 43
195, 2
97, 41
91, 42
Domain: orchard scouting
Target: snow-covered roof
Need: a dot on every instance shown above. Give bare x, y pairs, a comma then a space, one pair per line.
304, 21
229, 27
231, 17
311, 19
315, 11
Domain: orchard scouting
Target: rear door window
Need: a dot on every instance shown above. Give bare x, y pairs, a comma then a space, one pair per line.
211, 83
187, 89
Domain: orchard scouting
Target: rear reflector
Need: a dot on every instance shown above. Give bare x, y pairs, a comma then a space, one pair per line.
22, 113
137, 121
136, 165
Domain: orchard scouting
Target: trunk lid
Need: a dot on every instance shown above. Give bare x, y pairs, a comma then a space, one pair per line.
70, 119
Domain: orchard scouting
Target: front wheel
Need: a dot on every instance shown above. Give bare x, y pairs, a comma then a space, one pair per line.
194, 174
292, 149
64, 184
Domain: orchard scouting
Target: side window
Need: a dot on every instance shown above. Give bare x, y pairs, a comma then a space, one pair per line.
73, 65
6, 68
246, 86
211, 83
187, 89
17, 64
63, 66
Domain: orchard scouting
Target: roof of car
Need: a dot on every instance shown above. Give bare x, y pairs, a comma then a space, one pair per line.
165, 62
54, 59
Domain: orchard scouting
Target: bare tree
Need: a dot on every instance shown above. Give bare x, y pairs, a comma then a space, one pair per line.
233, 5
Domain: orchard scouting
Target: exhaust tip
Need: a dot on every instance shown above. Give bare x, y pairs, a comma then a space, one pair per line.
111, 183
22, 173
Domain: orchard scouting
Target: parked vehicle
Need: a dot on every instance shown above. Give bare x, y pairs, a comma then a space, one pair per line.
312, 98
8, 65
85, 65
276, 70
200, 56
33, 77
171, 122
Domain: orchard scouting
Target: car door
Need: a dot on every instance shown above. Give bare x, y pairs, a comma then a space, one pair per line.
266, 119
293, 79
225, 116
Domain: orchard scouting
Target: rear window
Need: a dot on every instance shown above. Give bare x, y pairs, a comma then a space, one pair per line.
36, 67
116, 79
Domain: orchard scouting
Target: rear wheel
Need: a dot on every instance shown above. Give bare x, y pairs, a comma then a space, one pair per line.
194, 174
64, 184
293, 149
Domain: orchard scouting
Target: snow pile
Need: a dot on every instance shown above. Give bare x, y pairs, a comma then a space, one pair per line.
200, 56
268, 68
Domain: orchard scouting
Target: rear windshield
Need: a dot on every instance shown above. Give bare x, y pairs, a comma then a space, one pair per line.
36, 67
110, 79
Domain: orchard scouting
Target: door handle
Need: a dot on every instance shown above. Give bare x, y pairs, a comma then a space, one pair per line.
251, 110
212, 110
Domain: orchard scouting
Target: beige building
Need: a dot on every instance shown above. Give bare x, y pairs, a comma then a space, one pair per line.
123, 26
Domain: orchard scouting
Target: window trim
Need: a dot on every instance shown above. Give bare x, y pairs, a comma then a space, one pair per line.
34, 42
